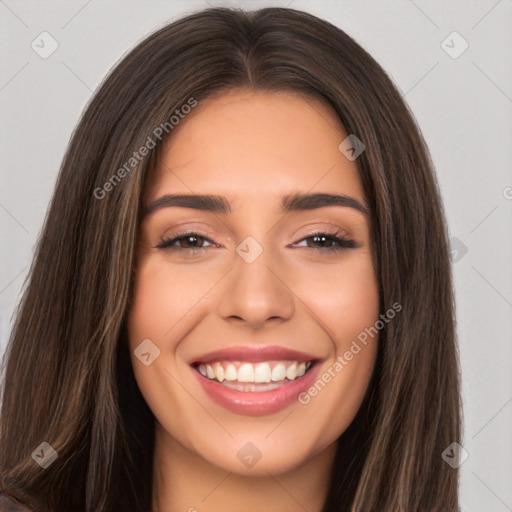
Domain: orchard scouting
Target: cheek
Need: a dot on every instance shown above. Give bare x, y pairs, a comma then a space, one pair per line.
150, 300
155, 311
161, 300
345, 299
163, 297
167, 302
353, 307
347, 305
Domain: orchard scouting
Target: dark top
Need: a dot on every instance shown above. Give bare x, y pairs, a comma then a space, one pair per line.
9, 504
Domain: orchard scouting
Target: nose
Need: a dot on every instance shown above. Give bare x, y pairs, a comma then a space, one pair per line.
256, 293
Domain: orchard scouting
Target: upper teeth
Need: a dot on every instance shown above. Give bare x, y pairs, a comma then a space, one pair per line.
253, 372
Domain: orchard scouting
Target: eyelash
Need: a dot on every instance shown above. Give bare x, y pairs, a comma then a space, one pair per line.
340, 241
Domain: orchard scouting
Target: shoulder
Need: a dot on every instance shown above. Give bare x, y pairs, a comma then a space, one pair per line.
9, 504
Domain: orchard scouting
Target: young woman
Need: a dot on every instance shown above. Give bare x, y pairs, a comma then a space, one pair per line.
242, 297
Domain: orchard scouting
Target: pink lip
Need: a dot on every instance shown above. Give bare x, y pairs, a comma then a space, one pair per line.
258, 403
254, 354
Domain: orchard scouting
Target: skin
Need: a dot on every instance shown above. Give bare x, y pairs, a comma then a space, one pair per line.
253, 148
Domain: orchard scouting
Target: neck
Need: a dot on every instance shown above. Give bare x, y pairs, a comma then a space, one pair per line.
183, 481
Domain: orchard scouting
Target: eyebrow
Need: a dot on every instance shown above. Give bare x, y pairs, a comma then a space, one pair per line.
289, 203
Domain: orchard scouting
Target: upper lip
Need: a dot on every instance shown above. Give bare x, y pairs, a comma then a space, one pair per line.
254, 354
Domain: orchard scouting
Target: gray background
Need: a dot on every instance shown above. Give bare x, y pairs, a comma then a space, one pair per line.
463, 106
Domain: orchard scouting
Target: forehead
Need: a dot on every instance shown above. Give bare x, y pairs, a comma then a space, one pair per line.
256, 144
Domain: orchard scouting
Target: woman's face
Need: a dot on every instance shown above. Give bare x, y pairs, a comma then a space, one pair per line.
252, 289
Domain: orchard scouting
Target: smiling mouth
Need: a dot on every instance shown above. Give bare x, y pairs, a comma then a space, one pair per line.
254, 377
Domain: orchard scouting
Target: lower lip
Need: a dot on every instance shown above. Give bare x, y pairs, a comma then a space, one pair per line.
257, 403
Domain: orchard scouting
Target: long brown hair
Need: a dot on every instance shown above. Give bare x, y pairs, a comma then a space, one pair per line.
68, 378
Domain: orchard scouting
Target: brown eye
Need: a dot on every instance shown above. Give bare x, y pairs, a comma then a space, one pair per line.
185, 241
329, 242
